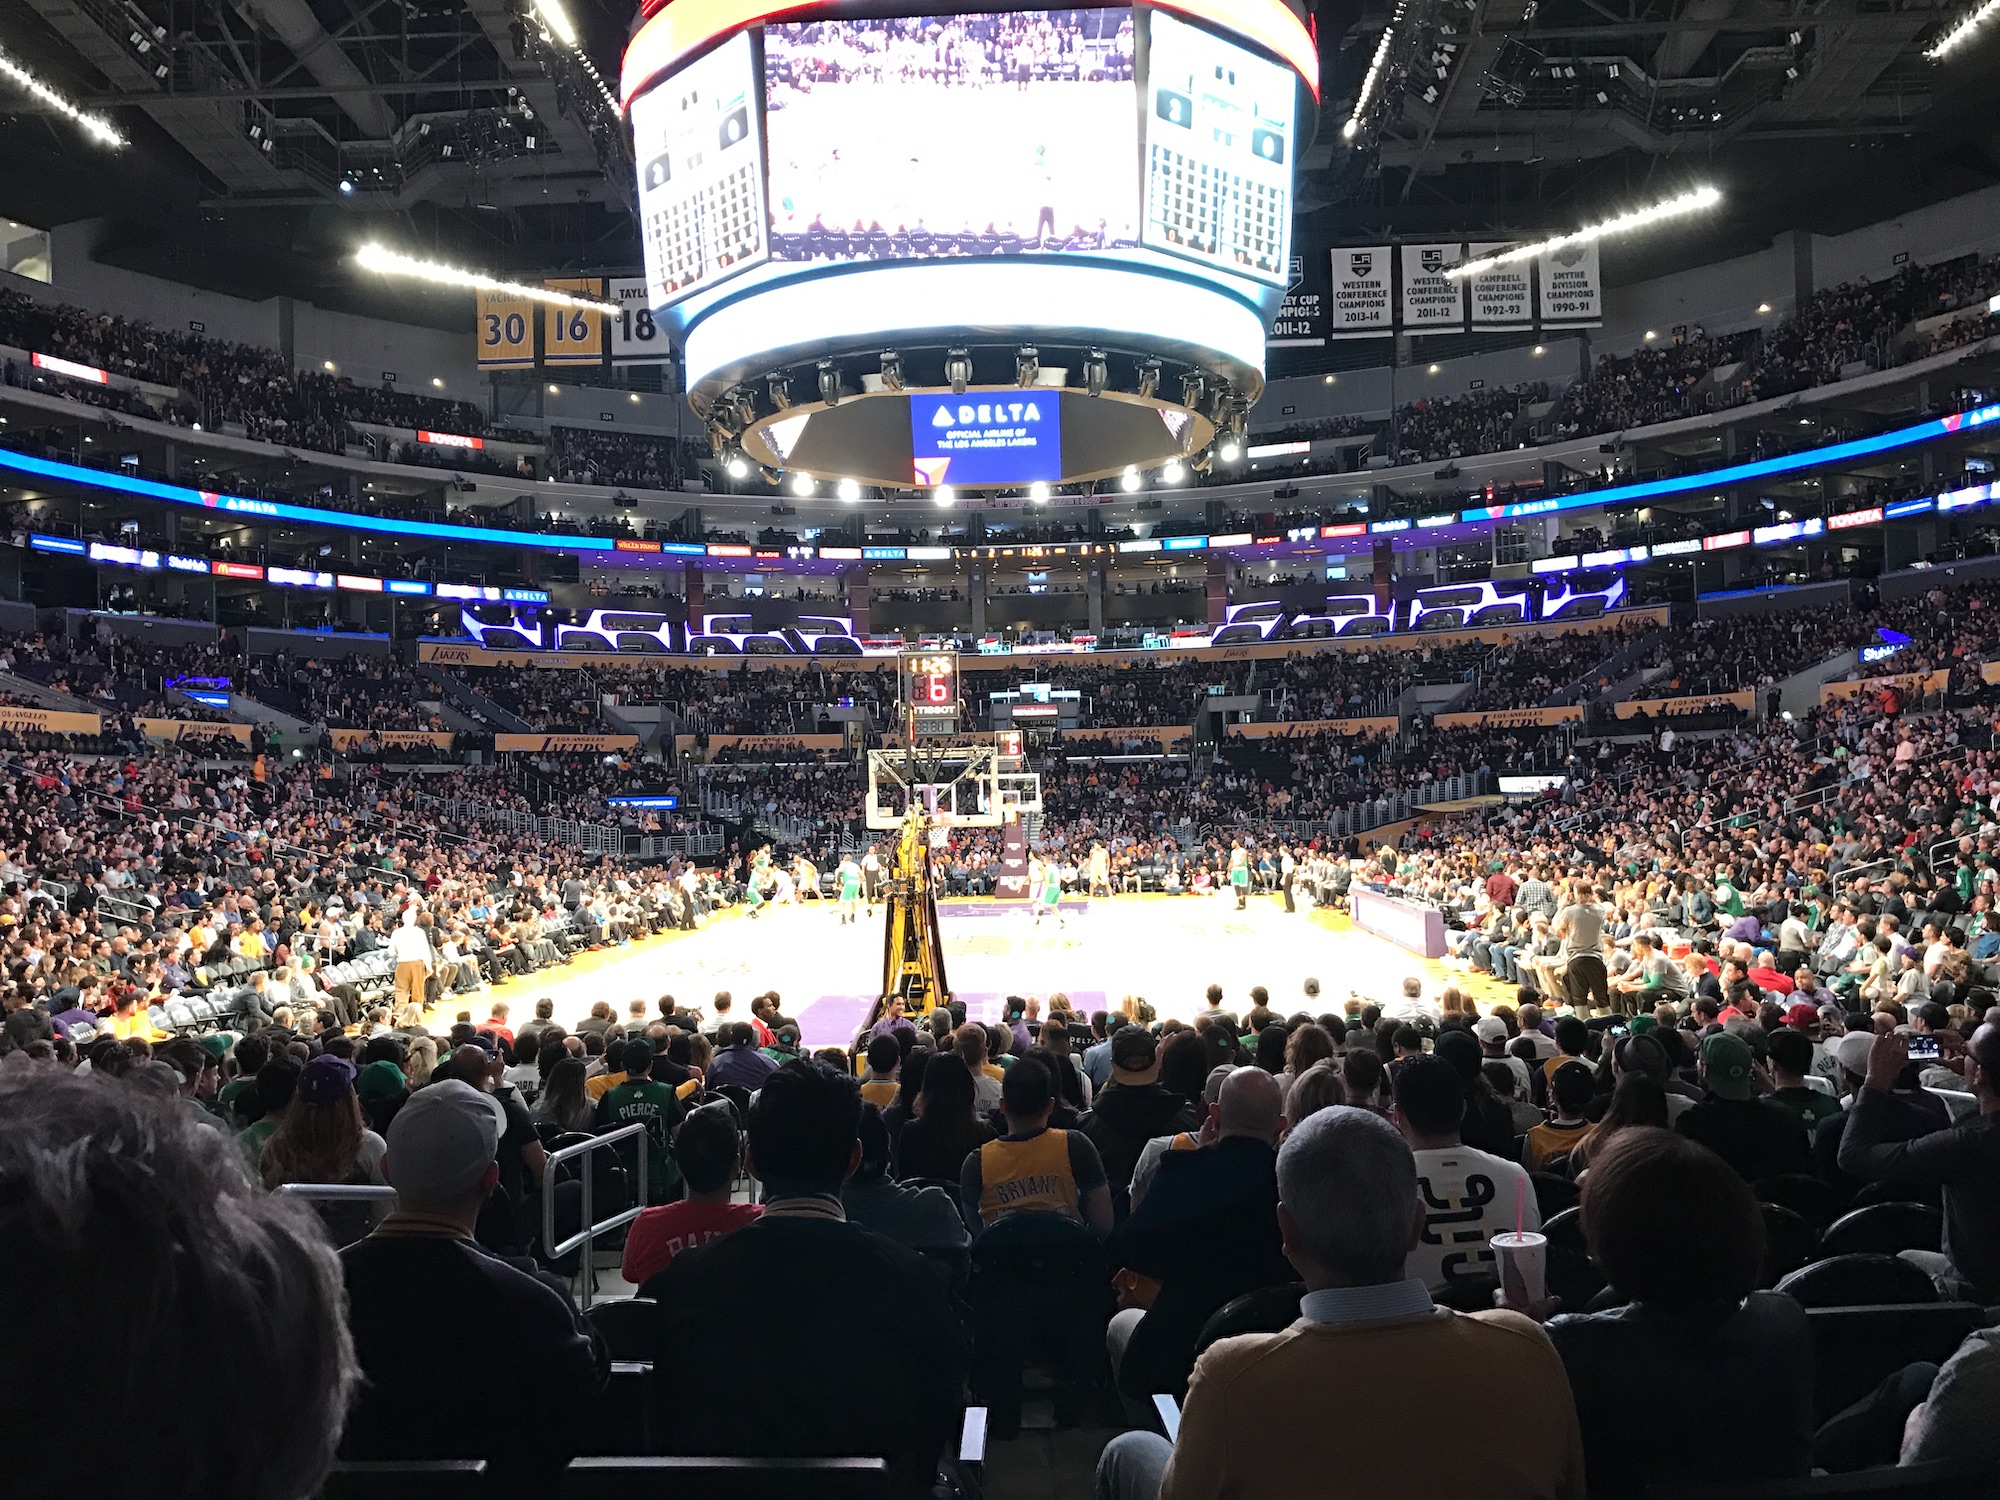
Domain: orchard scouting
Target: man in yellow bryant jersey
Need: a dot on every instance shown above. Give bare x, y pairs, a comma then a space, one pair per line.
1033, 1169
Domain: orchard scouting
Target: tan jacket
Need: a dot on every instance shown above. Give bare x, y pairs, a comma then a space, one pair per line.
1481, 1399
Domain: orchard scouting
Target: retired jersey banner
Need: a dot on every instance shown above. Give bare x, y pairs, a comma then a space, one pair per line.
1432, 301
565, 743
1512, 718
1503, 297
635, 338
573, 335
504, 331
1361, 307
1572, 289
49, 721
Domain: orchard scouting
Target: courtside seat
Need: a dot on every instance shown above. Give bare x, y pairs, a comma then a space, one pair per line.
1810, 1198
1789, 1242
1884, 1229
1573, 1276
671, 1478
1856, 1348
1854, 1281
1269, 1309
410, 1479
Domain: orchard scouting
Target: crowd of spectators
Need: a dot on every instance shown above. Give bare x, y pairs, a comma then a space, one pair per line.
1459, 426
585, 455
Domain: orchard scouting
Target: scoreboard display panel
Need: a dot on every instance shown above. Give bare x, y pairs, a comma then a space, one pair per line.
933, 684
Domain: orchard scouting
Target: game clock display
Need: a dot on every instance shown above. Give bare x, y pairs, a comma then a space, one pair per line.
933, 684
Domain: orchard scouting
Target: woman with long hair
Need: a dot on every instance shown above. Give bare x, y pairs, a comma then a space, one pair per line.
1271, 1048
909, 1088
947, 1127
1304, 1046
1638, 1099
563, 1102
423, 1060
1184, 1067
323, 1138
1071, 1085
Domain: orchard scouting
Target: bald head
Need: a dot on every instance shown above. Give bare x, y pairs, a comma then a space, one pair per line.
1250, 1104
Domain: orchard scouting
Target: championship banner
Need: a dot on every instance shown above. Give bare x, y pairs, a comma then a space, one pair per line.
563, 743
574, 335
1906, 683
188, 729
1503, 297
1744, 699
49, 721
504, 331
1432, 301
1301, 321
1572, 289
1012, 884
635, 338
389, 739
1512, 718
1360, 307
1387, 724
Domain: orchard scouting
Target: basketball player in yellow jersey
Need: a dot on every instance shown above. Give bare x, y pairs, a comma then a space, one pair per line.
1033, 1169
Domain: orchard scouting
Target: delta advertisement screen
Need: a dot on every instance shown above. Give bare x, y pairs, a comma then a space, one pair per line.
1001, 438
701, 173
947, 135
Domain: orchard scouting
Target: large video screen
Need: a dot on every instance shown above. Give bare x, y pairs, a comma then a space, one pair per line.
952, 135
1219, 148
986, 438
701, 173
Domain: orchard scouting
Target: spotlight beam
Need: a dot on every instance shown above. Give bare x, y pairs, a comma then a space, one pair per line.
388, 262
1671, 208
1961, 33
96, 127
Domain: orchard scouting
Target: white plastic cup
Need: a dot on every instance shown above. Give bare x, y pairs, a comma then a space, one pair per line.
1524, 1266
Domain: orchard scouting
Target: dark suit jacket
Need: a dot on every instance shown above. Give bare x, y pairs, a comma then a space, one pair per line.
846, 1343
1207, 1231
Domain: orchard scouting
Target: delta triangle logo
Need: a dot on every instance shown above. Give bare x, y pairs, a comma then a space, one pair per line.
931, 471
941, 417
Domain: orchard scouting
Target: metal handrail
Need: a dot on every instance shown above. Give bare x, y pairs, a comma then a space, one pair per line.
587, 1236
338, 1192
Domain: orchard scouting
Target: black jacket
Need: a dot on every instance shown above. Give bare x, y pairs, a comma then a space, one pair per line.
1123, 1120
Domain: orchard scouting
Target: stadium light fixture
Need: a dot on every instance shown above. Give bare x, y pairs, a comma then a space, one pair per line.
944, 494
1130, 481
96, 127
1230, 451
829, 383
1174, 472
1096, 372
1689, 202
739, 467
1038, 492
387, 262
802, 485
892, 370
1149, 379
1027, 365
557, 20
1960, 34
1372, 79
958, 370
848, 490
781, 391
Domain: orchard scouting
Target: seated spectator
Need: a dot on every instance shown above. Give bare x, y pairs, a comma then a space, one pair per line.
1962, 1159
1760, 1138
934, 1143
1132, 1109
99, 1184
737, 1062
1033, 1169
804, 1145
885, 1056
1206, 1231
512, 1377
1571, 1088
657, 1106
322, 1138
1469, 1196
1367, 1339
1678, 1233
709, 1150
924, 1218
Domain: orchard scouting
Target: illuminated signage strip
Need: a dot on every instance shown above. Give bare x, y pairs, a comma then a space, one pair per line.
1144, 544
406, 586
178, 564
1276, 450
1352, 528
1555, 564
1869, 517
1903, 508
1788, 531
1612, 557
70, 368
662, 802
449, 440
124, 557
728, 549
304, 578
1790, 463
357, 584
882, 554
70, 546
1722, 541
1977, 494
1386, 528
1677, 549
237, 570
1235, 539
1431, 523
274, 510
672, 33
113, 555
1184, 544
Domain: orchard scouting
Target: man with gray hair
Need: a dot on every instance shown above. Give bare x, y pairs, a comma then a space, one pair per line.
1367, 1338
108, 1185
515, 1344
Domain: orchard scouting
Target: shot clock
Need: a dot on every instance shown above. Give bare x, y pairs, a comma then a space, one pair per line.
930, 690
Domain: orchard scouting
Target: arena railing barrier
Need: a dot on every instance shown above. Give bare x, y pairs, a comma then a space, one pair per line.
586, 1237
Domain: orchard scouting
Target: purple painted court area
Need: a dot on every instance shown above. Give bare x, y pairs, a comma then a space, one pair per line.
1001, 908
832, 1020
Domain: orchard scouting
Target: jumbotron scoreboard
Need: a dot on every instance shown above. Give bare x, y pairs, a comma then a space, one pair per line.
968, 249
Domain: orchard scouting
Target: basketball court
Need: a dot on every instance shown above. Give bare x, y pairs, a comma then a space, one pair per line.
1165, 949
